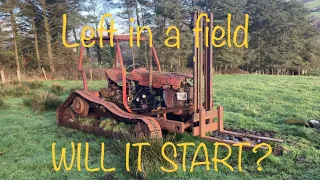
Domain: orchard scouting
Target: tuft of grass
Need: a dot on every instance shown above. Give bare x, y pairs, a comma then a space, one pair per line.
75, 89
33, 84
122, 128
150, 156
57, 89
3, 105
43, 102
51, 103
86, 121
113, 125
108, 124
14, 90
251, 110
15, 82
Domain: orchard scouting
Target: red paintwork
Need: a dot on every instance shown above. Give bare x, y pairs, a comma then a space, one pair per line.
115, 75
124, 79
162, 80
156, 58
81, 70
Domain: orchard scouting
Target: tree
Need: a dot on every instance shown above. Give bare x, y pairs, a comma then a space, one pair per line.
8, 7
48, 35
279, 36
31, 11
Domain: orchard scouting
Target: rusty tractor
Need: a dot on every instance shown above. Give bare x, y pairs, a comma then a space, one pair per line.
152, 101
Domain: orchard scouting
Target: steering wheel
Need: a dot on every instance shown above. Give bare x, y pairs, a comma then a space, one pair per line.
130, 68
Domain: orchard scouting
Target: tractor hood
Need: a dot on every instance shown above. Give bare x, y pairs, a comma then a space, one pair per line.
161, 80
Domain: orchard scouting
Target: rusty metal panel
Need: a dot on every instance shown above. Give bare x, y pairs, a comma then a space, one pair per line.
168, 96
172, 126
115, 75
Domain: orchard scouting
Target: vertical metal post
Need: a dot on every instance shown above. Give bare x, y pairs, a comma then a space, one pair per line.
83, 74
202, 122
124, 78
200, 66
195, 68
208, 69
150, 68
116, 60
205, 64
220, 119
156, 58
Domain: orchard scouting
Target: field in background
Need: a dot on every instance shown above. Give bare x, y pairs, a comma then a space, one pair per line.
253, 102
313, 5
315, 14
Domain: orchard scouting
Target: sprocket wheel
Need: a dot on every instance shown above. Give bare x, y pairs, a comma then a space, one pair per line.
80, 107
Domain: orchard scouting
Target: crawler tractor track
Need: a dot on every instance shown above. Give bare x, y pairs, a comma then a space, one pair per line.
66, 116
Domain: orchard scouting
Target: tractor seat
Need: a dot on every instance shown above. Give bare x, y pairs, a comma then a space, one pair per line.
114, 75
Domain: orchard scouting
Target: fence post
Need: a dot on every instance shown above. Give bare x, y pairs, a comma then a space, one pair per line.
3, 79
44, 73
18, 75
91, 78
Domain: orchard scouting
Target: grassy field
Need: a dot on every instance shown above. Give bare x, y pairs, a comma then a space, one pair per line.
315, 14
252, 102
313, 4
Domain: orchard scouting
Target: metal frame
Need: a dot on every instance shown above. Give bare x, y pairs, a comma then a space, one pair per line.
119, 60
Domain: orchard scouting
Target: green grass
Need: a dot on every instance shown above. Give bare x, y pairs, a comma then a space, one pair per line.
250, 102
312, 5
57, 89
40, 102
315, 14
2, 104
